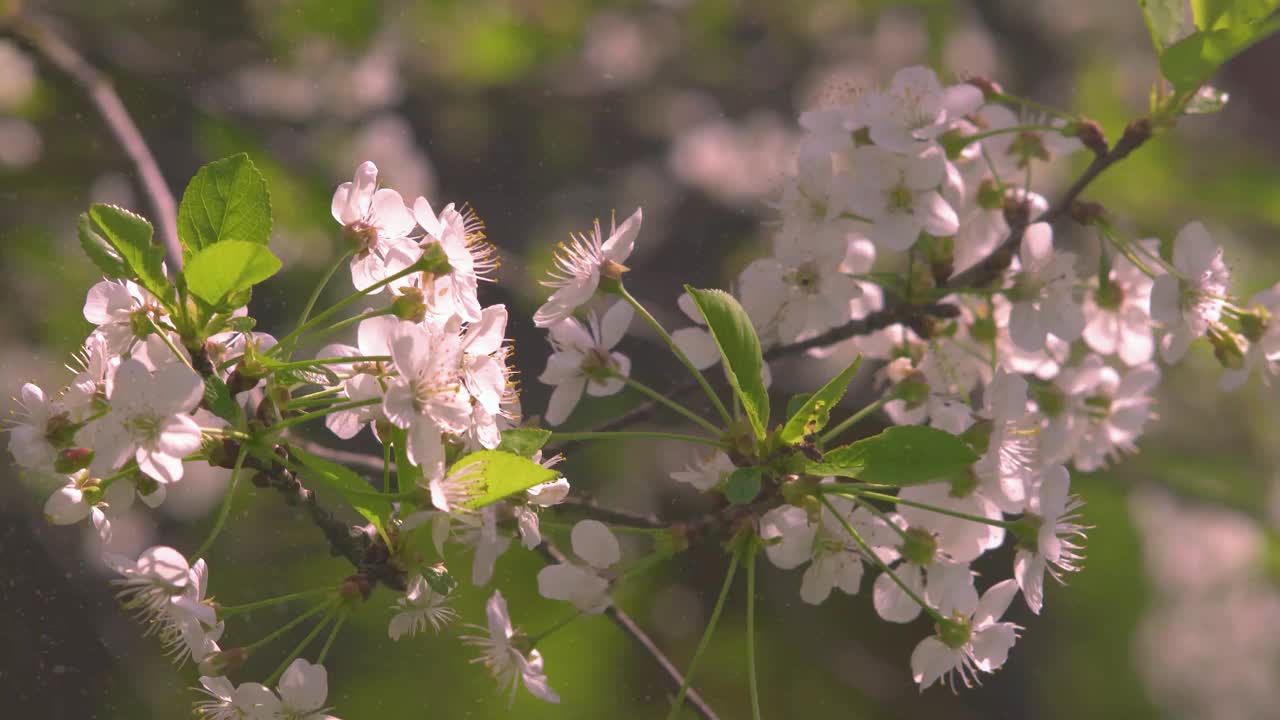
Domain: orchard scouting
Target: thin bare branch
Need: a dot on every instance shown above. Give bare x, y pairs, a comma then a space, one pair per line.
692, 698
98, 87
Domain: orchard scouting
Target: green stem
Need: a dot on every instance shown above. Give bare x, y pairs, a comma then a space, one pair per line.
856, 492
636, 435
969, 139
289, 626
164, 336
308, 417
658, 397
1028, 102
331, 361
705, 640
324, 282
226, 503
284, 664
752, 682
853, 419
666, 337
333, 634
535, 639
386, 469
228, 610
884, 567
286, 341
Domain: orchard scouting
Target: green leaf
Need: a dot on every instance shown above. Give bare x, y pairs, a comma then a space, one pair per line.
743, 485
815, 413
1166, 21
130, 236
99, 250
524, 441
901, 455
496, 475
218, 399
739, 346
797, 401
1219, 14
1190, 62
228, 267
226, 200
371, 504
407, 474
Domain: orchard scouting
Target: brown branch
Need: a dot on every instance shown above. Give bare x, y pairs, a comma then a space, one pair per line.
98, 87
624, 621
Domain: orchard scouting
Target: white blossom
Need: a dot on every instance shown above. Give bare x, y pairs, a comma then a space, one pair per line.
1190, 301
378, 222
582, 359
1054, 549
579, 265
148, 421
418, 607
499, 652
978, 641
582, 584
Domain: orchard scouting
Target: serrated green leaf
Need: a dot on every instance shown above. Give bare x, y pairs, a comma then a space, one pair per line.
1190, 62
901, 455
1218, 14
797, 401
226, 200
99, 250
372, 505
739, 346
524, 441
743, 485
815, 413
130, 236
495, 475
218, 399
228, 267
1166, 21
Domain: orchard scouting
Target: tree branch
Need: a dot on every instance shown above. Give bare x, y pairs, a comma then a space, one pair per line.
620, 618
98, 87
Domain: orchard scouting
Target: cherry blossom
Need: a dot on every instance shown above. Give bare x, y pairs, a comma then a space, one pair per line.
583, 584
898, 195
968, 642
500, 652
580, 265
1189, 302
149, 421
378, 223
582, 359
418, 607
1051, 513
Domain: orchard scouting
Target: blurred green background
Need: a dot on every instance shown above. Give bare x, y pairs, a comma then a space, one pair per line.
543, 115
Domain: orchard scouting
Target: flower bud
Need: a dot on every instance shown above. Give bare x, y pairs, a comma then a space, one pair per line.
1090, 135
989, 195
990, 88
73, 459
356, 586
433, 260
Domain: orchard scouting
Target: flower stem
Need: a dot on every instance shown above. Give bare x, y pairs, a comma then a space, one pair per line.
853, 419
386, 469
331, 361
284, 664
226, 503
705, 639
660, 398
333, 634
228, 610
315, 294
288, 340
535, 639
852, 490
289, 625
752, 683
314, 414
884, 567
164, 336
666, 337
636, 435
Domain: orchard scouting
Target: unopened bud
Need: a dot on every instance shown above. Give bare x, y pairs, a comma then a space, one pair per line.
222, 453
73, 459
356, 586
1090, 135
1135, 134
1086, 213
990, 88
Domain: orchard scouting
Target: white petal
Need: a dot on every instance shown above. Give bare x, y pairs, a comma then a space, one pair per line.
564, 399
304, 686
891, 602
594, 543
623, 240
615, 323
995, 601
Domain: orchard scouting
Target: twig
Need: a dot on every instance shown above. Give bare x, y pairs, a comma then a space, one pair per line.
98, 87
620, 618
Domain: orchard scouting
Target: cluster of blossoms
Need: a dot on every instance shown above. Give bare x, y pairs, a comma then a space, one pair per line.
988, 337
